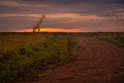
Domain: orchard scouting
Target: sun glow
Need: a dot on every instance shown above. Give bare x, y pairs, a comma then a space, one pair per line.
49, 30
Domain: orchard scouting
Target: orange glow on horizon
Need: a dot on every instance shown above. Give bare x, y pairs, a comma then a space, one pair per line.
50, 30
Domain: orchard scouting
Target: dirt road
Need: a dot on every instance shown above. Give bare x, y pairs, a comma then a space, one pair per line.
97, 62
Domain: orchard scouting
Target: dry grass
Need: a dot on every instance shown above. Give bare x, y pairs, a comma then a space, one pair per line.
27, 54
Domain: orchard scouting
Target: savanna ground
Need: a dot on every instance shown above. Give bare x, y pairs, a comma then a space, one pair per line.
62, 57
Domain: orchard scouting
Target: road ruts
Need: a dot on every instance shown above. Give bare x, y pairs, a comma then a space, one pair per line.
97, 61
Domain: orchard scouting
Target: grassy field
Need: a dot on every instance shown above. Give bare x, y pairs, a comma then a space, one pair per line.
113, 37
28, 55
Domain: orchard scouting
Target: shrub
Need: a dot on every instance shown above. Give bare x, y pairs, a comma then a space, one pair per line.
32, 59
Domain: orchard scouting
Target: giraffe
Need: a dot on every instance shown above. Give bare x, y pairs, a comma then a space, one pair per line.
37, 26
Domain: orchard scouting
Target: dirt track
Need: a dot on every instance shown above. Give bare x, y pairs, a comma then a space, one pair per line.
97, 62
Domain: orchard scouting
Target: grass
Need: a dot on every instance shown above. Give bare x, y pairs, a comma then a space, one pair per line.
28, 55
11, 40
113, 37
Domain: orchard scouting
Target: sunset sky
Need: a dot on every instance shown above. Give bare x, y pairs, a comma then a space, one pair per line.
62, 15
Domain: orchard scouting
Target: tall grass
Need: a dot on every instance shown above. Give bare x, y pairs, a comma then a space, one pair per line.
28, 60
113, 37
116, 38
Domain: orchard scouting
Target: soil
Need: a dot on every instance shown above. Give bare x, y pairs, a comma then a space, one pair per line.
97, 61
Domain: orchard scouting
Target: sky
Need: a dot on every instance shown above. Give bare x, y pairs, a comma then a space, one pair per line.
62, 15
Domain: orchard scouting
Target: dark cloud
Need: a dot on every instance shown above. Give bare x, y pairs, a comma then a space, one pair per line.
102, 8
72, 1
96, 7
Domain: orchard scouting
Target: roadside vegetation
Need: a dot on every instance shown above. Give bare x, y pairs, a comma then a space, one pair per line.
28, 55
116, 38
113, 37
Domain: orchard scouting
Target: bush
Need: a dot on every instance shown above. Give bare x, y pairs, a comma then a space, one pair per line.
27, 61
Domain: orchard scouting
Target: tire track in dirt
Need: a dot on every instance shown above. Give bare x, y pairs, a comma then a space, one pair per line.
97, 62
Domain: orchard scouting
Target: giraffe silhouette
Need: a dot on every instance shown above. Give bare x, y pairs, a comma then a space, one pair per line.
37, 26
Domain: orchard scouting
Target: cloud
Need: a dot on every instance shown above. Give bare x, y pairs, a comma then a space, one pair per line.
90, 7
81, 14
72, 1
17, 4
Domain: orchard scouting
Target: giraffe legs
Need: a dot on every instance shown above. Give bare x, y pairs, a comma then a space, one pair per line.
33, 29
38, 29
